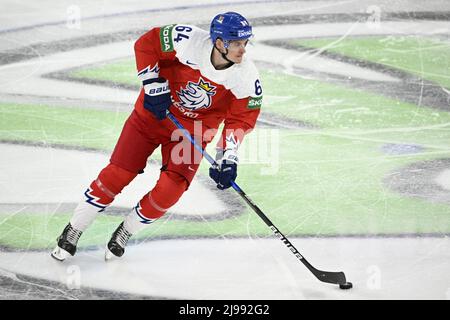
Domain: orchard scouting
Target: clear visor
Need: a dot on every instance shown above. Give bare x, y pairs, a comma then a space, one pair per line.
237, 44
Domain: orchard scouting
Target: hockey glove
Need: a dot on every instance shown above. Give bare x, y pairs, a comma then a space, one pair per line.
225, 170
157, 97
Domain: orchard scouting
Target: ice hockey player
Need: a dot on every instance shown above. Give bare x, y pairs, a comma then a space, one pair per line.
204, 79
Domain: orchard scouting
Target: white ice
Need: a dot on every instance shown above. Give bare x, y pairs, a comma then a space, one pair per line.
244, 268
57, 176
387, 268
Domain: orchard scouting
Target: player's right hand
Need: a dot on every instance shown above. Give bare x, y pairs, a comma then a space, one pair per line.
157, 98
224, 171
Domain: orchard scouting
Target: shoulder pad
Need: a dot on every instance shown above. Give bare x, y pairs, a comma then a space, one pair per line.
177, 37
247, 83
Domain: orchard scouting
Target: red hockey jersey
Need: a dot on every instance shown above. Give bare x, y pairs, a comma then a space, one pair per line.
181, 54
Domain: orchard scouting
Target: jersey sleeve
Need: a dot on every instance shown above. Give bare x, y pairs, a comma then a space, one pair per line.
240, 120
150, 48
244, 108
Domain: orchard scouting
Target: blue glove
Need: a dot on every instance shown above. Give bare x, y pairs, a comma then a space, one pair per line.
157, 98
225, 170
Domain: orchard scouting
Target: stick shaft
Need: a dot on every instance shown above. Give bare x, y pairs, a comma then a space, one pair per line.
331, 277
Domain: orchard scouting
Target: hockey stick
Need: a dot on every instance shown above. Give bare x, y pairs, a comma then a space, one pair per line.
324, 276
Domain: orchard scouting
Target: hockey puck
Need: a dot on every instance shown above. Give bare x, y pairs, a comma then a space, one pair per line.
345, 286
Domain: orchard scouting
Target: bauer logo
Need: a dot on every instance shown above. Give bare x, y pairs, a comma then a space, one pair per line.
165, 37
158, 91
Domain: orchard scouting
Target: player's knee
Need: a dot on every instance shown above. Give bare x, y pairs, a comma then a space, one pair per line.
114, 178
110, 182
167, 191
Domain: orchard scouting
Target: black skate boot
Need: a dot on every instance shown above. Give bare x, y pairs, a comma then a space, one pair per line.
67, 243
116, 246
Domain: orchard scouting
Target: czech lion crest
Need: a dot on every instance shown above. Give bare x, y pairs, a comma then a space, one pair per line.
196, 95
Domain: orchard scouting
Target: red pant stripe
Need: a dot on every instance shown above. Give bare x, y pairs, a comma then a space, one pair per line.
103, 188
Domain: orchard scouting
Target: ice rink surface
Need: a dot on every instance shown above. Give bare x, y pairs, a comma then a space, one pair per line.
248, 269
390, 267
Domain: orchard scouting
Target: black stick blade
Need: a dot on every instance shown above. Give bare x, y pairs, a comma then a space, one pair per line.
330, 277
326, 276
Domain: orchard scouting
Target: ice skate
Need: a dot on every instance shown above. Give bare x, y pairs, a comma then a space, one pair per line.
67, 243
117, 243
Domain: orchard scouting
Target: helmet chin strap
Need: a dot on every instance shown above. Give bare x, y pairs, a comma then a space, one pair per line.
224, 55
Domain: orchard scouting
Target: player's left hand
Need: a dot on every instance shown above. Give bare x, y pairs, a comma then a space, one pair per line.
225, 171
157, 97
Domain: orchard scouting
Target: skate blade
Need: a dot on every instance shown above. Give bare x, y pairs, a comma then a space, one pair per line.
60, 254
108, 254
